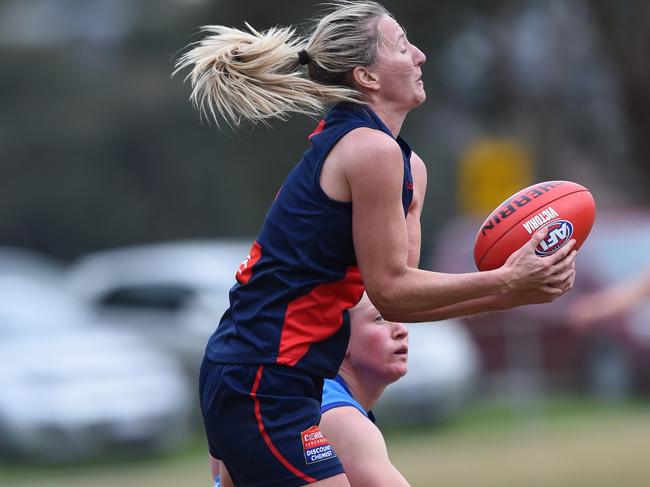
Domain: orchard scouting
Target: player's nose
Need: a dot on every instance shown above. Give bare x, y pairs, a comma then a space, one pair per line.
400, 331
419, 58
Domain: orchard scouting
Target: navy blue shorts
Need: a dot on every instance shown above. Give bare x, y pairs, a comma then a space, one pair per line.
262, 422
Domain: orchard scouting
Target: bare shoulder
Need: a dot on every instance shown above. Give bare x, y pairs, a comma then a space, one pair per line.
365, 146
361, 448
347, 415
369, 138
417, 164
339, 422
419, 170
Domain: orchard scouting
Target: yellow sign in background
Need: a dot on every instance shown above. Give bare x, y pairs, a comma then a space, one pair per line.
491, 170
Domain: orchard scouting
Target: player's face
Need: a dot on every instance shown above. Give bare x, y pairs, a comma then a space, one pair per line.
378, 348
398, 66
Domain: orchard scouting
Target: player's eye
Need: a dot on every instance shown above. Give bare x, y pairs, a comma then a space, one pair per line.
379, 319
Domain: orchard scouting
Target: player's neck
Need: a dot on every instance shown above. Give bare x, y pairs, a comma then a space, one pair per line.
365, 391
392, 119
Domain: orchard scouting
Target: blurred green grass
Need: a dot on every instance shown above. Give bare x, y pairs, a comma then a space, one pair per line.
563, 442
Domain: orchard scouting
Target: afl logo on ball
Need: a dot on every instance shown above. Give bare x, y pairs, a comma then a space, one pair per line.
559, 233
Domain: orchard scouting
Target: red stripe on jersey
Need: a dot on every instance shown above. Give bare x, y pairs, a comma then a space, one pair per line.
316, 316
265, 435
245, 270
319, 128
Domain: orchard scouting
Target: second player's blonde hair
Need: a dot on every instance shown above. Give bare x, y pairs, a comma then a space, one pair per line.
249, 75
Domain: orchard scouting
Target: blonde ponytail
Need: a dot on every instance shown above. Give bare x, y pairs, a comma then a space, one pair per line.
242, 75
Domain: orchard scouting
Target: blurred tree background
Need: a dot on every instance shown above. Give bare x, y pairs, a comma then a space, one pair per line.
100, 147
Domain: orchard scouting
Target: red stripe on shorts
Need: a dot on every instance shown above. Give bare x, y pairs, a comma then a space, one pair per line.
267, 438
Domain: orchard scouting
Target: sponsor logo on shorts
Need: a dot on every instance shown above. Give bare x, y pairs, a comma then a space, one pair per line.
315, 446
559, 233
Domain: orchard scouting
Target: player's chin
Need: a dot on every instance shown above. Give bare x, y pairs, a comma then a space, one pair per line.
400, 367
393, 371
419, 99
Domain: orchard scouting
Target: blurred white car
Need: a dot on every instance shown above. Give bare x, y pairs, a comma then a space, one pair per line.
443, 365
173, 293
18, 261
73, 391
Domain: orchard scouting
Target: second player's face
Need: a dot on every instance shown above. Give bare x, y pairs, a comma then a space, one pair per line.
378, 348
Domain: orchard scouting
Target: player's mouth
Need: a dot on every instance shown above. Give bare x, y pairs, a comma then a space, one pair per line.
403, 350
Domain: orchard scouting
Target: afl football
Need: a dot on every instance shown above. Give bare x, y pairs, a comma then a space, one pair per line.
565, 208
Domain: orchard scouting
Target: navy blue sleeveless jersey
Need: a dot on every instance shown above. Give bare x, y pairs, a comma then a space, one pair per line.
289, 305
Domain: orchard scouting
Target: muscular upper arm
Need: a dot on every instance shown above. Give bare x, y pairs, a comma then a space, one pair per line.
361, 448
374, 171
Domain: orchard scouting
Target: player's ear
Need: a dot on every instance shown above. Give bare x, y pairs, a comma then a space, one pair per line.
364, 78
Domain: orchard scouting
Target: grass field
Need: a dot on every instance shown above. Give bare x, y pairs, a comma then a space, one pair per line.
562, 443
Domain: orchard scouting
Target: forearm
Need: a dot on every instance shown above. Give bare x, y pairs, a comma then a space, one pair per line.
644, 284
417, 293
470, 307
621, 298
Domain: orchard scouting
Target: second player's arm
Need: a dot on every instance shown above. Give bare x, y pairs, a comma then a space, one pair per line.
361, 449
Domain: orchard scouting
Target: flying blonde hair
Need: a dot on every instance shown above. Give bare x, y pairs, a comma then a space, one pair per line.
240, 75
